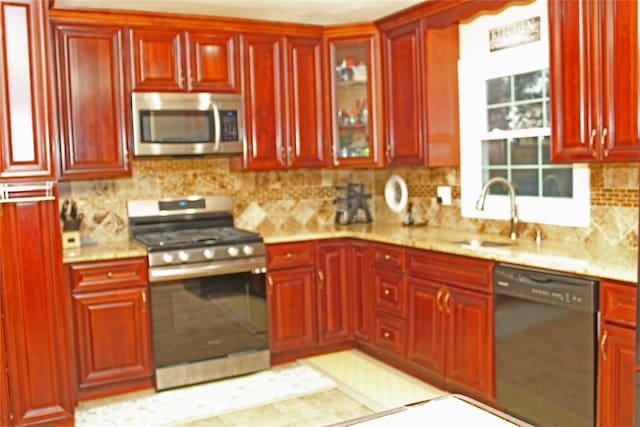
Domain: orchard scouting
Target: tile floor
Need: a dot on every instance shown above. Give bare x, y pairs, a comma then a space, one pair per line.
315, 391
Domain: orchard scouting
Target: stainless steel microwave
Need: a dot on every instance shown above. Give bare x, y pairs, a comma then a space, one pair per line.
182, 124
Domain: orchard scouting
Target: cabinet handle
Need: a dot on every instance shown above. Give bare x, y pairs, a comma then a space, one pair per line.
289, 255
388, 151
144, 301
334, 156
387, 257
109, 275
386, 335
438, 296
592, 138
603, 341
321, 275
387, 291
446, 302
270, 281
603, 138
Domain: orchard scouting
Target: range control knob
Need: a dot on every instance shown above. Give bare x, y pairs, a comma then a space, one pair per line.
167, 258
183, 256
208, 254
233, 251
247, 250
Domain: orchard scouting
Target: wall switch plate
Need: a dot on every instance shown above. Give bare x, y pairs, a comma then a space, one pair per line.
444, 195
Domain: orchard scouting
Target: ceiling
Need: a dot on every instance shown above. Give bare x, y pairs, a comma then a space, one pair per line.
320, 12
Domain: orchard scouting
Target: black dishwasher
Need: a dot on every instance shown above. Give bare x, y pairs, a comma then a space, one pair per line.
545, 346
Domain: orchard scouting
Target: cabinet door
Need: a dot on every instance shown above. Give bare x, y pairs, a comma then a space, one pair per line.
404, 94
425, 342
334, 319
35, 304
619, 51
305, 145
292, 323
616, 378
469, 361
361, 290
103, 356
213, 61
573, 84
5, 412
25, 149
93, 135
263, 101
353, 63
389, 291
157, 59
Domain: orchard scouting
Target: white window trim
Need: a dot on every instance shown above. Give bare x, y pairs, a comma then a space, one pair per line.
474, 68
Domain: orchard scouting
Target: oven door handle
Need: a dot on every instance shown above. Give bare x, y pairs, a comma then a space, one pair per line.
255, 265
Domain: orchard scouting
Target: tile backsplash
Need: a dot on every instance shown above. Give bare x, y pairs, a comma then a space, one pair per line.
303, 199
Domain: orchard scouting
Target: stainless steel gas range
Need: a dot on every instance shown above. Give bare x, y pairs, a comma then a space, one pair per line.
207, 280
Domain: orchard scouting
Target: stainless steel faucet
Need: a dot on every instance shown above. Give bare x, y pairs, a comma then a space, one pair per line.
512, 198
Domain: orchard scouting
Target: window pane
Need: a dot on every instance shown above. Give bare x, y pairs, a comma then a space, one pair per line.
498, 90
498, 189
547, 119
525, 182
529, 85
546, 151
527, 116
494, 152
524, 151
557, 182
498, 118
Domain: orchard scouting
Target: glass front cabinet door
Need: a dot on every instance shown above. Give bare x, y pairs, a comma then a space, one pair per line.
354, 97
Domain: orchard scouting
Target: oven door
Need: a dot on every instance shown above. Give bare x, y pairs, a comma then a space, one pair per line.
208, 317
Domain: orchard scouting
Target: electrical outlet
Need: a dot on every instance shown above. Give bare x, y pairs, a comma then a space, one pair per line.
444, 195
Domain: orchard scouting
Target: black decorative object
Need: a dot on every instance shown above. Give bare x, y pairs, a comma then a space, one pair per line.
351, 204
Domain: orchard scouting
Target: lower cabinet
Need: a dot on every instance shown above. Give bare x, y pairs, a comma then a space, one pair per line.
112, 326
616, 359
5, 416
333, 291
361, 293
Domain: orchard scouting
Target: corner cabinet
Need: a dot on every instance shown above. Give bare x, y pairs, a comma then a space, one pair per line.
594, 81
354, 95
184, 60
110, 296
90, 64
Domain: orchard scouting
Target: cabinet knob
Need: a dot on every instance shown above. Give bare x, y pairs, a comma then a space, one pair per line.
387, 257
387, 291
289, 255
109, 275
386, 335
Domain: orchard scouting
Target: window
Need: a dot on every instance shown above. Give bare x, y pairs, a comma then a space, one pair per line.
504, 116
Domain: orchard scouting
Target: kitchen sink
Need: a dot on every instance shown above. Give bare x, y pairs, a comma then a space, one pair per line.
474, 243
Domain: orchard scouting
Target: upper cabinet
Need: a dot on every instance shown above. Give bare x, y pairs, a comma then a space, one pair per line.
93, 102
25, 150
177, 60
356, 136
421, 94
594, 81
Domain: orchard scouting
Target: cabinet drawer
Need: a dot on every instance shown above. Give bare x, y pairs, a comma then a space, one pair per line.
91, 276
618, 303
290, 255
388, 256
389, 333
461, 271
389, 291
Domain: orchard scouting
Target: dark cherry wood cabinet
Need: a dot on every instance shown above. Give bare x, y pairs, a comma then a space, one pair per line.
184, 60
426, 325
594, 81
35, 318
25, 147
110, 296
291, 296
333, 290
361, 290
5, 408
92, 98
421, 88
616, 360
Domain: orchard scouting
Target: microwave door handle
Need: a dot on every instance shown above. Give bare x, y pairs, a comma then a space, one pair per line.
216, 124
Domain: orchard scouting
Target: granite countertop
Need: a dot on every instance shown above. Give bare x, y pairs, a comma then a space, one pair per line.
601, 261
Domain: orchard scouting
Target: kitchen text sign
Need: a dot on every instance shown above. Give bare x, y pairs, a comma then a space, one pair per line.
516, 34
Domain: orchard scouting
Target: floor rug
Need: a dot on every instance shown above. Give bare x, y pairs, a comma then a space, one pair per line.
206, 400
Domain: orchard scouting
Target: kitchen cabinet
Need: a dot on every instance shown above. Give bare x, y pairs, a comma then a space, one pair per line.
5, 410
420, 78
291, 296
110, 296
35, 308
616, 360
361, 291
333, 290
90, 65
25, 147
594, 81
450, 333
353, 70
184, 60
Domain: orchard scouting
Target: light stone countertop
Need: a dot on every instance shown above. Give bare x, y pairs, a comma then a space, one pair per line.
601, 261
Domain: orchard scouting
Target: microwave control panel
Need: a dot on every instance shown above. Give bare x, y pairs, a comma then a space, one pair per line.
228, 125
